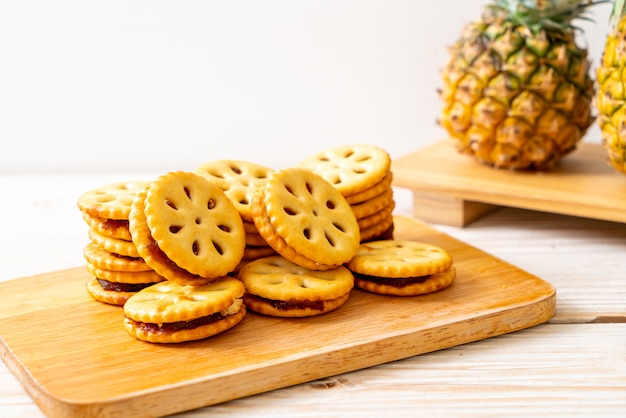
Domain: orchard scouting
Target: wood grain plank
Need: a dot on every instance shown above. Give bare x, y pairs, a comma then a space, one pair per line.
549, 370
65, 348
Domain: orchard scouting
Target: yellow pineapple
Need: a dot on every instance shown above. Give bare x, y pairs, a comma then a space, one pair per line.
611, 97
517, 91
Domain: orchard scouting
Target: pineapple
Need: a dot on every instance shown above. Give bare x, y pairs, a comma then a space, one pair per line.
517, 90
611, 97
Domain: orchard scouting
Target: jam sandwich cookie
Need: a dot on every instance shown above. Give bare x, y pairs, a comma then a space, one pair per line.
305, 219
401, 268
186, 229
239, 180
171, 313
115, 278
362, 174
277, 287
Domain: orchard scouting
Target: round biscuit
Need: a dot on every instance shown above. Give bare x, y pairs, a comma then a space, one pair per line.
184, 335
350, 168
399, 258
149, 250
111, 201
430, 284
195, 224
277, 278
276, 242
311, 216
170, 302
238, 179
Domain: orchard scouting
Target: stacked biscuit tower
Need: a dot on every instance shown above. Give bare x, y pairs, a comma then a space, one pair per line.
362, 174
188, 253
117, 271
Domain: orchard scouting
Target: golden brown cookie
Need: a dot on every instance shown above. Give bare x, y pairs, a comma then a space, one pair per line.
195, 224
149, 249
402, 268
399, 258
298, 213
413, 286
115, 287
111, 201
171, 313
238, 179
350, 168
275, 286
110, 297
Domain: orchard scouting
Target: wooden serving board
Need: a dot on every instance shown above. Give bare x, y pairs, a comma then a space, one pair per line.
75, 359
454, 189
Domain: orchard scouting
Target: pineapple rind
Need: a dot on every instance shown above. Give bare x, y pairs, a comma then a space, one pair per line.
611, 96
514, 98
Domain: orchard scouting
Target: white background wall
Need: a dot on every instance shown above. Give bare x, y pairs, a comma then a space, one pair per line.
125, 85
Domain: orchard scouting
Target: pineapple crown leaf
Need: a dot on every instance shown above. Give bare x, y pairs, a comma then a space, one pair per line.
618, 11
555, 15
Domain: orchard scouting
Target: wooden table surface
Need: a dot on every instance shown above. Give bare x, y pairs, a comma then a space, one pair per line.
575, 365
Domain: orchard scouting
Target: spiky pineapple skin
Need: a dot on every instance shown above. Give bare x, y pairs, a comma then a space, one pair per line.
513, 98
611, 96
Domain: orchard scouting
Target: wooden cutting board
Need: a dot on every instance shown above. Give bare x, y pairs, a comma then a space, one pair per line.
75, 359
454, 189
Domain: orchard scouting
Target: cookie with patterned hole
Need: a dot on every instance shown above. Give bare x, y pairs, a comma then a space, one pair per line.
112, 201
399, 258
402, 268
350, 168
195, 224
238, 179
168, 312
277, 287
309, 214
150, 251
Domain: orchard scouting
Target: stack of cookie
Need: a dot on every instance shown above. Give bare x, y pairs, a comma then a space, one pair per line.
362, 174
240, 180
189, 232
313, 229
117, 271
